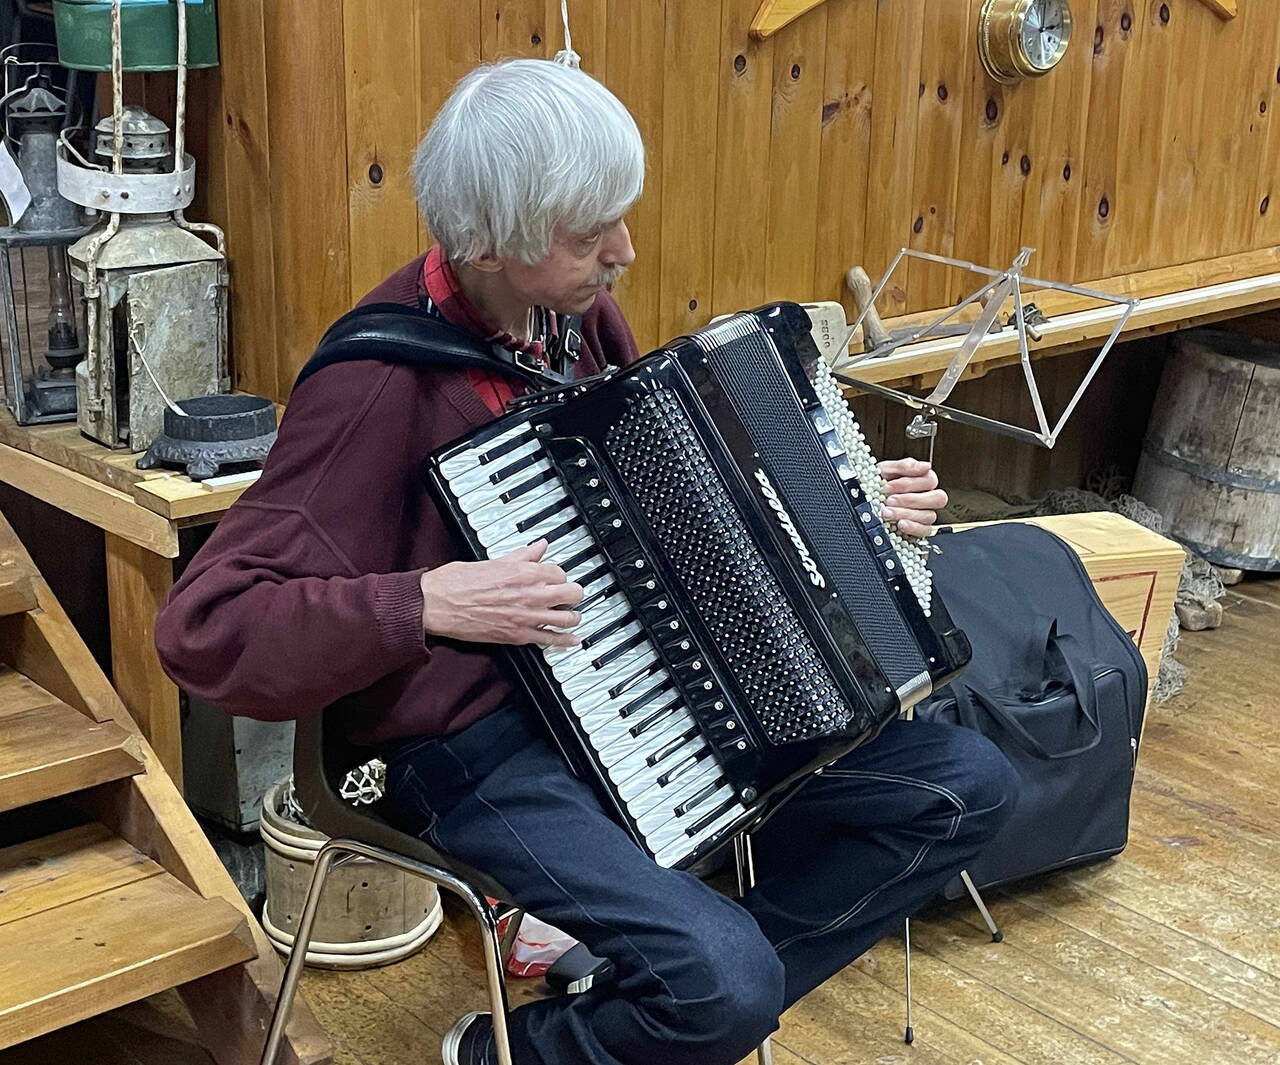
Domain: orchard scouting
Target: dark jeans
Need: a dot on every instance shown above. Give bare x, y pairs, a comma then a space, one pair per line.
701, 978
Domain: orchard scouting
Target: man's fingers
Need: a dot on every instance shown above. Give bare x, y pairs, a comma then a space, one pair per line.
914, 528
550, 638
532, 553
903, 515
892, 468
556, 619
567, 594
926, 483
934, 500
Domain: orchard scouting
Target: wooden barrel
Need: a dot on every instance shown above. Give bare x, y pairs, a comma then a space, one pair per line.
1211, 458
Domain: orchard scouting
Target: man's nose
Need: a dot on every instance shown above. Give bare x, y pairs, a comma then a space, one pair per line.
617, 250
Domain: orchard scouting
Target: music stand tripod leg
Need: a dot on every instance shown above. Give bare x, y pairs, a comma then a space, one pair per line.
996, 935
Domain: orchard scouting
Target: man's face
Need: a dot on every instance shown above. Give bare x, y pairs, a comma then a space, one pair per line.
578, 268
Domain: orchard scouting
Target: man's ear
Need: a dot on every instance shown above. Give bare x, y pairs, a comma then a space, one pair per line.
488, 263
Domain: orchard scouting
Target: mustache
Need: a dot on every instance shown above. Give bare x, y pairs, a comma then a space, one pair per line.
608, 277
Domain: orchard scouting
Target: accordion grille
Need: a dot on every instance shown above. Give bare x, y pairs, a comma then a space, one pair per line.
764, 645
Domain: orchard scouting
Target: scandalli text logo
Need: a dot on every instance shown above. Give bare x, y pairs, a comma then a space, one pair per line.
789, 527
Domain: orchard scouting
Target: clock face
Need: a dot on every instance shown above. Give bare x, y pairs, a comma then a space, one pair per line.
1044, 32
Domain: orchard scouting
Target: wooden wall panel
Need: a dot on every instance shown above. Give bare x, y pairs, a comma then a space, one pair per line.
381, 212
688, 164
1154, 144
795, 153
639, 44
895, 106
944, 73
307, 142
239, 144
743, 156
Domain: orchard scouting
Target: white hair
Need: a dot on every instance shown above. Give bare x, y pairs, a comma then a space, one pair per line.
519, 148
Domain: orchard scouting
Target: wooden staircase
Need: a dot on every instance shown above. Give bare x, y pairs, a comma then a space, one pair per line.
109, 892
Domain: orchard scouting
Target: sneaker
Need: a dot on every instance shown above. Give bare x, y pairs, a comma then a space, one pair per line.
467, 1042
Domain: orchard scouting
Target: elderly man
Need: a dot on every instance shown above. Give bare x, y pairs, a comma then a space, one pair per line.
335, 581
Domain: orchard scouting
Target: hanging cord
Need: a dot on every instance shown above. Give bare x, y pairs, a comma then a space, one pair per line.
567, 55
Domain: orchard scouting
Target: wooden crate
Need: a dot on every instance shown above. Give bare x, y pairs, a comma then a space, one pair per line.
1134, 570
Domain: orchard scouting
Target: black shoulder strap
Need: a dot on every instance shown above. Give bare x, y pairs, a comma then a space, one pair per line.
395, 332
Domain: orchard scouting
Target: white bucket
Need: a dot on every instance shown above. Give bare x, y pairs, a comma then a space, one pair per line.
370, 914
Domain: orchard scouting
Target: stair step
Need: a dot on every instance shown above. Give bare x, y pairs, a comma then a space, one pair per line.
48, 748
17, 592
89, 924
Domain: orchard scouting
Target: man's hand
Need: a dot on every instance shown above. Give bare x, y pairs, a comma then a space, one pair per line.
516, 599
914, 496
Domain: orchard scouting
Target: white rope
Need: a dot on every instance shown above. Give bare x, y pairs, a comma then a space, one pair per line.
567, 56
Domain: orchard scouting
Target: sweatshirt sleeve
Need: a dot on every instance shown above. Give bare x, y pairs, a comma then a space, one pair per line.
272, 619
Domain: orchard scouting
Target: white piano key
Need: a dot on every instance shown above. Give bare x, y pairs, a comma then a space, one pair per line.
670, 851
678, 792
479, 477
491, 495
454, 467
499, 540
507, 516
575, 670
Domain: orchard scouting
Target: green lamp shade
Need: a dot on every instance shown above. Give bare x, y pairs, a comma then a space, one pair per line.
148, 34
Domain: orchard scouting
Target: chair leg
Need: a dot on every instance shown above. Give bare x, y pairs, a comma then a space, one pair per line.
513, 917
480, 909
909, 1035
996, 935
744, 861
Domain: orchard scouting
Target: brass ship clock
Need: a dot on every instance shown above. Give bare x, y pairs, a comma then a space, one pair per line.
1023, 38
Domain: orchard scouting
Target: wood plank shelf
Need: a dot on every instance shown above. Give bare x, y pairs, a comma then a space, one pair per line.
89, 924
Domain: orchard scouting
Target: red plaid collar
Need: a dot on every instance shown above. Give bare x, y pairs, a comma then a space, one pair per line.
448, 299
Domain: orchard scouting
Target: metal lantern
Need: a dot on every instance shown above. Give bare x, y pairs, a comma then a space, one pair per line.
155, 288
43, 337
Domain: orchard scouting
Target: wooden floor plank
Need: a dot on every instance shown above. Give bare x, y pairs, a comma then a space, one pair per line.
1113, 987
1212, 970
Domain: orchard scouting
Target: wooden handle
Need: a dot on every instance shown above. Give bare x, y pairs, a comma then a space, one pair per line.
873, 331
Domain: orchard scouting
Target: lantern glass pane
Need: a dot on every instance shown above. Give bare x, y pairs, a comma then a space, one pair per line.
43, 335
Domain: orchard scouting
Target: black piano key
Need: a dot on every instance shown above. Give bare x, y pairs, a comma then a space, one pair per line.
605, 631
657, 717
512, 468
507, 447
644, 699
527, 486
596, 597
670, 748
615, 653
585, 555
698, 798
627, 682
593, 576
683, 767
707, 819
563, 529
542, 515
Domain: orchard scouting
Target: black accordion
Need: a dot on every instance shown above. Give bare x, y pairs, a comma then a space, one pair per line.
747, 617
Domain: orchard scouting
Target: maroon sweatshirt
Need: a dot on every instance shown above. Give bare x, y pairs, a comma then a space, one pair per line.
308, 591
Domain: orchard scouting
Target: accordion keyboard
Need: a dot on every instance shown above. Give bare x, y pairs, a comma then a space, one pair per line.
628, 706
